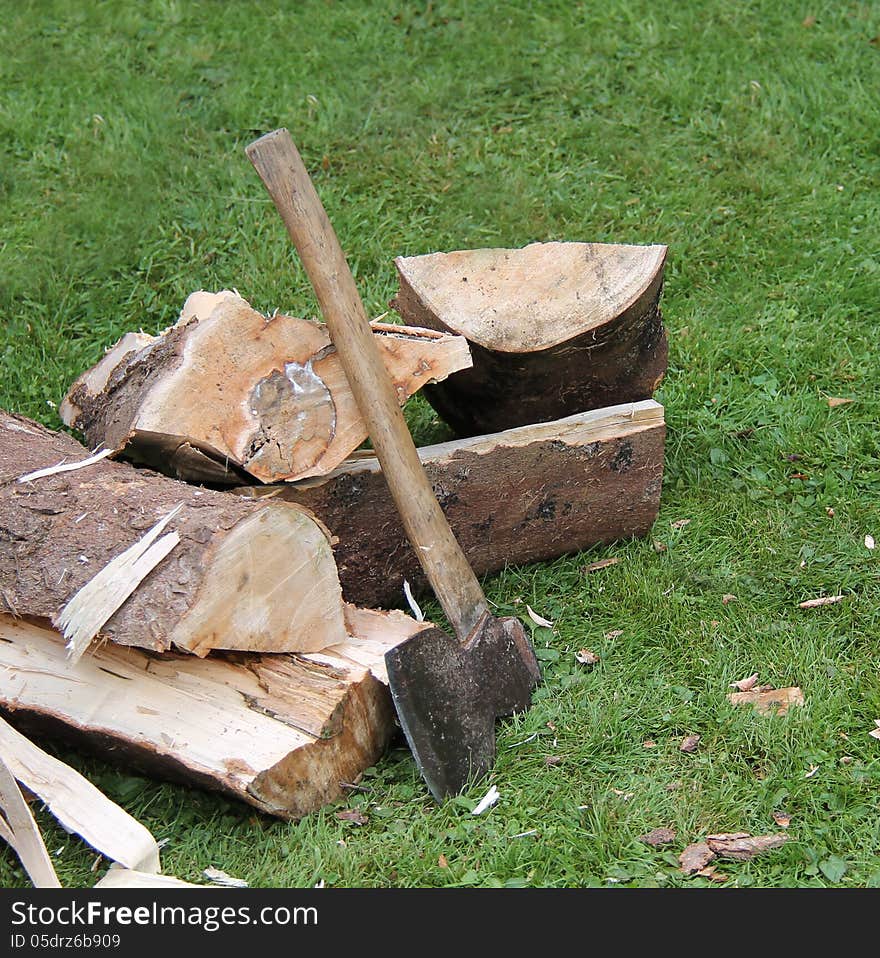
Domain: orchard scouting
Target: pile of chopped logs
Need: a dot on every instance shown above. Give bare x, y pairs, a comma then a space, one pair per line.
208, 588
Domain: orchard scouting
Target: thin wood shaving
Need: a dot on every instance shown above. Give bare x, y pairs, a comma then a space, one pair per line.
822, 600
538, 619
487, 801
411, 602
66, 466
218, 877
18, 828
87, 611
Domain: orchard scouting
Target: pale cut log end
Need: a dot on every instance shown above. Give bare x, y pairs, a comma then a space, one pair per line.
272, 585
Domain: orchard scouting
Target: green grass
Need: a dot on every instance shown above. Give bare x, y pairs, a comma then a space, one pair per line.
742, 138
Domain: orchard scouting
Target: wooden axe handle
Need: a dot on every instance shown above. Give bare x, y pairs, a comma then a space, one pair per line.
280, 167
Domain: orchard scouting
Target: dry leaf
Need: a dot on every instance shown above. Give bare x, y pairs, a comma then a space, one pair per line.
809, 21
658, 545
875, 732
689, 744
649, 744
552, 759
442, 863
834, 401
713, 875
781, 819
658, 836
695, 857
538, 619
586, 657
822, 600
742, 846
727, 598
869, 542
353, 815
776, 701
601, 564
679, 523
745, 684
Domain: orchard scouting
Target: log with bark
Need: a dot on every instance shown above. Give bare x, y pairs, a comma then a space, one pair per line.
285, 733
523, 495
554, 328
244, 575
228, 393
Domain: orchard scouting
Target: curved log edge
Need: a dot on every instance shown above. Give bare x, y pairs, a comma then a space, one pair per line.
240, 577
228, 393
283, 733
524, 495
554, 328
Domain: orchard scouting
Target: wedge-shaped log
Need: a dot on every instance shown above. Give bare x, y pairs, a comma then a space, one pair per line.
240, 577
523, 495
281, 732
228, 392
554, 328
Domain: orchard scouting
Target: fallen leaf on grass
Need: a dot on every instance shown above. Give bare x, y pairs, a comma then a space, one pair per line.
586, 657
353, 815
649, 744
875, 732
742, 846
744, 685
695, 857
689, 744
713, 875
658, 545
538, 619
442, 863
781, 819
835, 401
601, 564
809, 21
658, 836
679, 523
822, 600
775, 701
727, 598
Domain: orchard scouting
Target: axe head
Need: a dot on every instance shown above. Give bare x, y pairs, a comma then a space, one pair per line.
448, 695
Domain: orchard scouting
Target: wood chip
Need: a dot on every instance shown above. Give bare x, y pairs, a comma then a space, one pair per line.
538, 619
658, 836
695, 858
353, 815
689, 744
418, 615
586, 657
742, 846
19, 830
781, 819
118, 877
487, 801
65, 467
551, 760
869, 542
822, 600
679, 523
442, 862
601, 564
775, 701
727, 598
744, 685
710, 872
875, 732
218, 877
613, 634
649, 744
835, 401
658, 545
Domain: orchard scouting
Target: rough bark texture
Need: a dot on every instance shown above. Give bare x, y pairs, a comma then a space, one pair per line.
281, 732
241, 577
524, 495
554, 328
227, 392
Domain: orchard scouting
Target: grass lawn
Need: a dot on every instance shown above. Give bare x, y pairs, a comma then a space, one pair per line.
744, 136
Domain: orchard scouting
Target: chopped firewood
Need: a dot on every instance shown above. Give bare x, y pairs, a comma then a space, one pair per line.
19, 830
525, 495
228, 392
771, 701
78, 805
554, 328
244, 574
281, 732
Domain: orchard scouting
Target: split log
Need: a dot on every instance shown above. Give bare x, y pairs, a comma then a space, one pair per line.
228, 393
554, 328
240, 577
281, 732
524, 495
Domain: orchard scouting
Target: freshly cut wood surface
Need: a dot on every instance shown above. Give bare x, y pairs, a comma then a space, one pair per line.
260, 579
282, 732
19, 830
523, 495
77, 804
228, 392
554, 328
